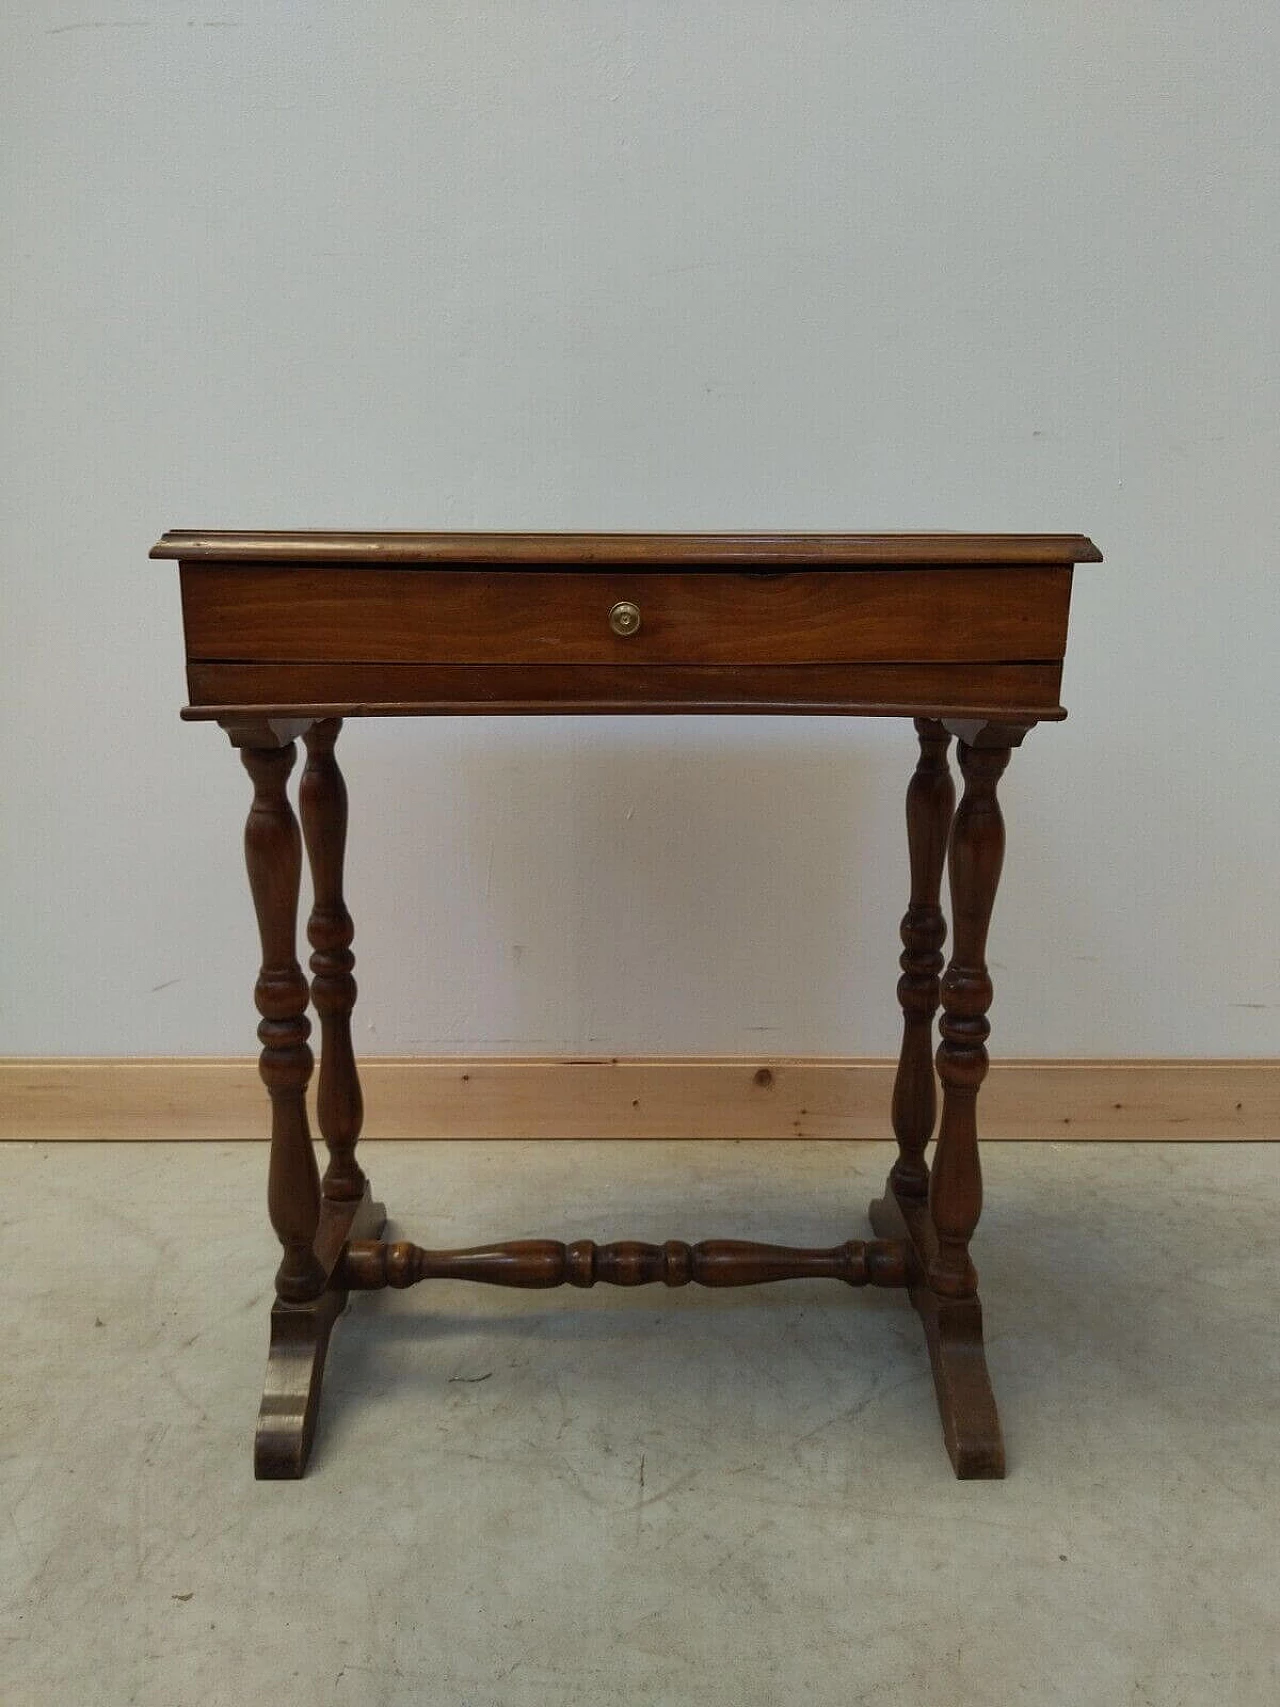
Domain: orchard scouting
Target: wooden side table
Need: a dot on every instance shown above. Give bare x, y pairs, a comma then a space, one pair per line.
289, 633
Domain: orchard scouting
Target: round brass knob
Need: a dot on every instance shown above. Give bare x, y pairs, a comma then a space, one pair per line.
624, 618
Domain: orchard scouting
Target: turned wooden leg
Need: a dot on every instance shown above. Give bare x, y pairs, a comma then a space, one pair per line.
941, 1282
975, 857
930, 803
314, 1231
322, 805
273, 854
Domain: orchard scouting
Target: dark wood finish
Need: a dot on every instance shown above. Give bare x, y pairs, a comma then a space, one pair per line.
322, 805
930, 802
953, 1336
273, 854
300, 1341
979, 691
974, 858
507, 550
988, 732
259, 727
545, 1262
289, 632
255, 613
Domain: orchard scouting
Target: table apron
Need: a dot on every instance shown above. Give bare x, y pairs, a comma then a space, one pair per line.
259, 613
356, 690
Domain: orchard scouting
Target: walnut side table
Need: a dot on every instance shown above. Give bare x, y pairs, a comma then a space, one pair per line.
289, 633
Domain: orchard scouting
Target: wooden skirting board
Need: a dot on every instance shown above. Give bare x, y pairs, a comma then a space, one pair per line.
601, 1097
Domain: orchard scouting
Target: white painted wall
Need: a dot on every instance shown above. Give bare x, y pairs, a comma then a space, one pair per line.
640, 264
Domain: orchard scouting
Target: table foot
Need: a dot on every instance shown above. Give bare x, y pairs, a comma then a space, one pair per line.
953, 1333
299, 1341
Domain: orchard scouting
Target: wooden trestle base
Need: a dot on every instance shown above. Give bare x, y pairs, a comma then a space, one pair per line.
352, 1258
953, 1333
299, 1342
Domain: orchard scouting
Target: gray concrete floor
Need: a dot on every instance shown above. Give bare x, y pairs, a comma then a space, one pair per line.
643, 1497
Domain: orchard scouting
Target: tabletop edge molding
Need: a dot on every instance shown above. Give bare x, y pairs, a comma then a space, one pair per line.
514, 549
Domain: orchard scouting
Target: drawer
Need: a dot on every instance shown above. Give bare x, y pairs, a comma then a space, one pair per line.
355, 614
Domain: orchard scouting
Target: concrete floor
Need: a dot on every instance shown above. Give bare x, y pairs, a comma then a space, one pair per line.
735, 1499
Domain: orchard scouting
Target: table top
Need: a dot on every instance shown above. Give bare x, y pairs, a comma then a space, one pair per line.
658, 550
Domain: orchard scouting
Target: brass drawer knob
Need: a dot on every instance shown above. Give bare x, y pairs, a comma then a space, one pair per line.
624, 618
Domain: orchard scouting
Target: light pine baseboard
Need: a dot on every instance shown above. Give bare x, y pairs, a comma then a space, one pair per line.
735, 1097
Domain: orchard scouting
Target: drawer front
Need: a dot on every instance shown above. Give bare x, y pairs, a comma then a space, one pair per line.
263, 612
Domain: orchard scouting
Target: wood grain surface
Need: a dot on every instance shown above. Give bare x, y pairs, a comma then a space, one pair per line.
374, 615
432, 1097
319, 546
359, 690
